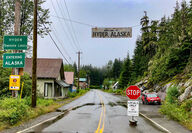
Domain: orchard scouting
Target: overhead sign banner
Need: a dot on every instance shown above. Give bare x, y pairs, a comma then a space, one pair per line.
133, 108
112, 32
13, 60
14, 82
15, 43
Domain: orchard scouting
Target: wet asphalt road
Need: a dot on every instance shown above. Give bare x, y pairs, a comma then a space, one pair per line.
98, 112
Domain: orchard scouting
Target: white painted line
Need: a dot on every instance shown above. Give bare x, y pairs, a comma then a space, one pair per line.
155, 123
52, 118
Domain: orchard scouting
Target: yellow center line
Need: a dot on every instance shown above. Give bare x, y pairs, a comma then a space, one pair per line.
102, 116
101, 131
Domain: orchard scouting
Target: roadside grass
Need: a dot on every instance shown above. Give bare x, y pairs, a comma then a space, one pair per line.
179, 111
14, 111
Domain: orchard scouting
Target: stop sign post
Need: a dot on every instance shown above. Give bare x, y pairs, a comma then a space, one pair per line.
133, 92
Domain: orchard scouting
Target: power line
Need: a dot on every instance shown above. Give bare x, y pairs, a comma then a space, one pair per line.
82, 23
72, 42
74, 21
73, 39
71, 24
53, 40
54, 32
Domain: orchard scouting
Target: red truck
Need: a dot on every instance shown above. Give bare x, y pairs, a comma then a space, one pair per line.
149, 98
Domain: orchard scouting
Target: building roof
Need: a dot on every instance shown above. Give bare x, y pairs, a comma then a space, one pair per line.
62, 83
69, 77
46, 68
82, 79
115, 84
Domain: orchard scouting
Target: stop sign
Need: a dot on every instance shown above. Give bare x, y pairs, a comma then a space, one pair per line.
133, 92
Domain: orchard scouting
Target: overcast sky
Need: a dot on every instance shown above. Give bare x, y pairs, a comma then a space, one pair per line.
100, 13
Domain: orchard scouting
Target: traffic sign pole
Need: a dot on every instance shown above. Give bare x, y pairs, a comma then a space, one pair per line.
133, 92
16, 32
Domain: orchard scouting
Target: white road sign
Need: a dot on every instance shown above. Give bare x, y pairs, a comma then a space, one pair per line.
112, 32
133, 108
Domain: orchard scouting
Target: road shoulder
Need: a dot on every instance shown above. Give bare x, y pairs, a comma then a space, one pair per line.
152, 112
41, 118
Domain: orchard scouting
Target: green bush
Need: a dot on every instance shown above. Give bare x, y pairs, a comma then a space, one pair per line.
110, 90
4, 80
13, 110
72, 94
187, 105
172, 95
27, 85
175, 112
44, 102
81, 92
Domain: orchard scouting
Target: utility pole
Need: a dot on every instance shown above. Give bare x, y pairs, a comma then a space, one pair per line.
17, 20
34, 67
79, 54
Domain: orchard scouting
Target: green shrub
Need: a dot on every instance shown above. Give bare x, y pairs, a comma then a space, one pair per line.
187, 105
13, 110
110, 90
118, 91
172, 95
44, 102
72, 94
175, 112
87, 89
81, 92
4, 80
27, 85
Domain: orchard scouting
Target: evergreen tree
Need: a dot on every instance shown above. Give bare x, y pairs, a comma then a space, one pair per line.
109, 69
184, 21
176, 23
189, 31
153, 45
140, 61
116, 68
125, 76
145, 31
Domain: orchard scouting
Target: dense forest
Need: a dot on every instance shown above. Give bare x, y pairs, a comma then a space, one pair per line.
163, 50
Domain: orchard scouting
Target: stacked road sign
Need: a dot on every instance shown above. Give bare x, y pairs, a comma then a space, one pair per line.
14, 60
133, 92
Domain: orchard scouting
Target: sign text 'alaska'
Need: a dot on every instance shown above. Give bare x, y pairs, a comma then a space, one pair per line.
112, 32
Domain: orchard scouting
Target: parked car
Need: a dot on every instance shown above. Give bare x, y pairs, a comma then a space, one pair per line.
149, 98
